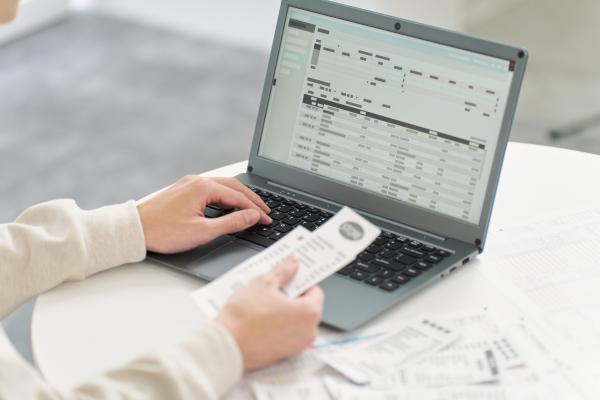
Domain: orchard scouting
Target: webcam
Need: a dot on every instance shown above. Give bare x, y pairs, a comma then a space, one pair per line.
521, 54
397, 25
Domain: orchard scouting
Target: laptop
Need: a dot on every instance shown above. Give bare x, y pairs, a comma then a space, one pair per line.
405, 123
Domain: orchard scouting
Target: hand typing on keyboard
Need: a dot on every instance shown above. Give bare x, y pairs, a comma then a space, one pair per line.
391, 261
174, 220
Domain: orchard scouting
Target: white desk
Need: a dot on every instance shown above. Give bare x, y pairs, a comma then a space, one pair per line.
80, 329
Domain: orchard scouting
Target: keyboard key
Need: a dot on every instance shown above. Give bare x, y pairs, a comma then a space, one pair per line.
388, 235
255, 238
264, 193
359, 275
300, 206
311, 217
406, 260
433, 259
442, 253
210, 212
422, 265
321, 221
284, 208
374, 280
385, 273
382, 262
276, 236
264, 231
283, 228
291, 221
373, 249
389, 286
397, 267
314, 210
276, 198
365, 256
297, 213
272, 204
380, 241
370, 268
387, 254
276, 215
288, 202
411, 272
401, 240
393, 245
255, 228
309, 225
427, 248
326, 214
394, 266
400, 279
413, 252
346, 270
415, 244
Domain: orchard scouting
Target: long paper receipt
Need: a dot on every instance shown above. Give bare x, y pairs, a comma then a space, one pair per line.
321, 253
409, 343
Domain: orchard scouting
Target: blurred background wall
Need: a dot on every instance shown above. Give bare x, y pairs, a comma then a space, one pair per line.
107, 100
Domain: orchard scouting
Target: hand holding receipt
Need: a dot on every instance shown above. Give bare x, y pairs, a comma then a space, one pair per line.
321, 253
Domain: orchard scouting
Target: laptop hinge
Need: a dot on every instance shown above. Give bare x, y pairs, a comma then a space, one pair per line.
370, 215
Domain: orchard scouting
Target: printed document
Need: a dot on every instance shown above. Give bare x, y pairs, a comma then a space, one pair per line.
392, 351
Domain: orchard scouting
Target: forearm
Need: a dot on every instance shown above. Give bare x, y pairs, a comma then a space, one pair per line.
205, 366
56, 242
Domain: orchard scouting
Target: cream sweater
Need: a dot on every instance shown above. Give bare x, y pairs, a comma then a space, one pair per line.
56, 242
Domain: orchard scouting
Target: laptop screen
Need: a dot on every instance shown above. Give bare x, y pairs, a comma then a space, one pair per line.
400, 117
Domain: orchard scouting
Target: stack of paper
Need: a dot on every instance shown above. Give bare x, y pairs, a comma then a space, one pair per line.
461, 357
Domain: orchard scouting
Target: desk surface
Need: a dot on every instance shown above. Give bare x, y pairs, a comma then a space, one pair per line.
82, 328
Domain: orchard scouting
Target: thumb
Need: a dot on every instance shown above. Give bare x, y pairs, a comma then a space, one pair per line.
285, 271
235, 222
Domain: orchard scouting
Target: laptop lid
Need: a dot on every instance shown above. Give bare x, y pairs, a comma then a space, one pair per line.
402, 120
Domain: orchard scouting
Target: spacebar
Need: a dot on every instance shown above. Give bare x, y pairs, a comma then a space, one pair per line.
254, 238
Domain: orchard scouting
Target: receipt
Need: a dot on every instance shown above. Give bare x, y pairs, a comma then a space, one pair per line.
305, 390
392, 351
300, 377
476, 392
449, 367
481, 331
321, 253
329, 248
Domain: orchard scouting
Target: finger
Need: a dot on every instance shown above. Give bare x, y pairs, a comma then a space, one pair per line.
224, 195
284, 272
231, 223
314, 296
240, 187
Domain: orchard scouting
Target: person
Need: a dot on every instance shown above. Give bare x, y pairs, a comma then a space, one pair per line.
55, 242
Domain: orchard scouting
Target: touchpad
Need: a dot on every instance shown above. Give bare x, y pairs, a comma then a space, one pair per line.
221, 260
211, 260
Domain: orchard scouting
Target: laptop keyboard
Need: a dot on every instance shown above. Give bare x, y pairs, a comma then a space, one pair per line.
389, 262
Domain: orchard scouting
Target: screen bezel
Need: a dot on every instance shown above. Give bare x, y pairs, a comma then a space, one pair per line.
394, 210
